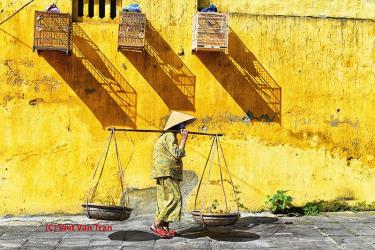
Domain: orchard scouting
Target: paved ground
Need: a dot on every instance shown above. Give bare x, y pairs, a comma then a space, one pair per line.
330, 231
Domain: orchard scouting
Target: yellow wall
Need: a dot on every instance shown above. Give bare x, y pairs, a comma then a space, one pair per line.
321, 146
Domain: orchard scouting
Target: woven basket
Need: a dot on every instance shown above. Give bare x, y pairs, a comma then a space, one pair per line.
102, 212
215, 220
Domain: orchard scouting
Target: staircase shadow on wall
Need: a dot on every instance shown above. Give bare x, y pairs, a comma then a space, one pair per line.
95, 82
164, 71
246, 80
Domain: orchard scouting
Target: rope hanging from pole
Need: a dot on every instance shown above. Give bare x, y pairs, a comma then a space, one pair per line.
93, 188
230, 178
214, 148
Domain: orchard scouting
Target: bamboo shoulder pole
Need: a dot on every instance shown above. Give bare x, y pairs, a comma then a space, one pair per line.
162, 131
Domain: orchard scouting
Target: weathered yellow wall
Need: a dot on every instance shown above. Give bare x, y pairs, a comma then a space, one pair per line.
322, 148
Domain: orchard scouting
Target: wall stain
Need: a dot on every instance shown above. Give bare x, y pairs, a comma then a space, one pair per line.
26, 155
36, 101
335, 122
14, 76
50, 83
6, 100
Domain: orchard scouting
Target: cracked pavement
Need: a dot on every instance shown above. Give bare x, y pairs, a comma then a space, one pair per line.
346, 230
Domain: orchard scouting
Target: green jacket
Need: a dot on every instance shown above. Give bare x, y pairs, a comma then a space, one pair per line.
167, 157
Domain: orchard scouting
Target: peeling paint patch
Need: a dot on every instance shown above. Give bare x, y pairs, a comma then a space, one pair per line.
22, 156
206, 119
261, 118
51, 84
28, 63
9, 97
14, 77
59, 147
203, 128
6, 100
335, 122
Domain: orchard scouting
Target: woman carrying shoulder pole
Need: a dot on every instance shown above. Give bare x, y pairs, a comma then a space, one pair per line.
167, 170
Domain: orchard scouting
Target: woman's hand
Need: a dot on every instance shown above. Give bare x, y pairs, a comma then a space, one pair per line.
184, 134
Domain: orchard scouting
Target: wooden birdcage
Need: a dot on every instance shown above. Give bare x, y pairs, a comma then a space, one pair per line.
131, 32
52, 31
210, 31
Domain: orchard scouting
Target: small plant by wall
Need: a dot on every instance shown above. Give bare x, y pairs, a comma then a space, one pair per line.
279, 202
316, 207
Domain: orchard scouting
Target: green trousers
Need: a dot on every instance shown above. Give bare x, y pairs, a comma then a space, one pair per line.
169, 199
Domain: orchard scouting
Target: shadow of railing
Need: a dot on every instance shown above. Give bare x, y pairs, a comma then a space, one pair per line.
257, 75
246, 80
164, 71
96, 81
16, 39
112, 79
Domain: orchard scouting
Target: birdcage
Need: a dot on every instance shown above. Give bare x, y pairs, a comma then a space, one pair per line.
52, 31
210, 31
131, 32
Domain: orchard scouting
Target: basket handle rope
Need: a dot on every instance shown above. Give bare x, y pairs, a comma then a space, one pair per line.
209, 159
230, 177
215, 147
121, 174
93, 189
203, 204
204, 170
221, 173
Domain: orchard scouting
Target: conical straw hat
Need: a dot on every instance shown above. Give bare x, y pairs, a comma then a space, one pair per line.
176, 118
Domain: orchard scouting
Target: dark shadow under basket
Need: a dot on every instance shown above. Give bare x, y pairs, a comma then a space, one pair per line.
102, 212
215, 220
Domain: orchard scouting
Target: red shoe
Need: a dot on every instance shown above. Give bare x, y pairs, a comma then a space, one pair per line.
161, 232
173, 233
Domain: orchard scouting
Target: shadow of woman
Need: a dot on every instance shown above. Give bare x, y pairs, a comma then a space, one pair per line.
228, 235
132, 235
235, 233
231, 235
